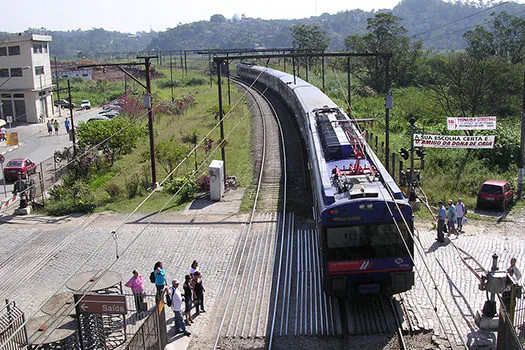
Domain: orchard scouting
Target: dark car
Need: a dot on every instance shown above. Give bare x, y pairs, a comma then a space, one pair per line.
64, 104
494, 193
19, 167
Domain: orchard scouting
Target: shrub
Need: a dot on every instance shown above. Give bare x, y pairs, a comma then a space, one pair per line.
203, 183
134, 186
187, 186
112, 189
70, 197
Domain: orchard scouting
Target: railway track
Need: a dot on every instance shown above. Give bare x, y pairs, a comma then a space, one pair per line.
248, 283
272, 289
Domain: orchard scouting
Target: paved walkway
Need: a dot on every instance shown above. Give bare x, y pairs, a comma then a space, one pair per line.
46, 251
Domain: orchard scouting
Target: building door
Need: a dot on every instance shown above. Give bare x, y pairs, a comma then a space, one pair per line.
20, 109
7, 105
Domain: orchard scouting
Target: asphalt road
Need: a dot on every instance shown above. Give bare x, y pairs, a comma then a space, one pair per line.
36, 144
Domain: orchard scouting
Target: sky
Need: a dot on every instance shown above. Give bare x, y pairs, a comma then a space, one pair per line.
133, 15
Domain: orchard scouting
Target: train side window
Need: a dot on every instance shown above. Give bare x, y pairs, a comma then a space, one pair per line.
343, 237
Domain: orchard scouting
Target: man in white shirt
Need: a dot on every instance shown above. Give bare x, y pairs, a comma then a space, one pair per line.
176, 304
461, 210
513, 270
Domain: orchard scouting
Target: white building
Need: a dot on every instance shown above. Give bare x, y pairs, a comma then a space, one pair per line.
25, 78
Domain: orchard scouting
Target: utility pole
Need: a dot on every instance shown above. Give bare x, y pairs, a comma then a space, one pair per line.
349, 88
411, 187
388, 105
185, 64
73, 139
58, 88
221, 115
171, 74
522, 144
147, 104
322, 70
153, 155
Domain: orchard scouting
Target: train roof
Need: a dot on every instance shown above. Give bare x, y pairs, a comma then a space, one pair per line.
347, 167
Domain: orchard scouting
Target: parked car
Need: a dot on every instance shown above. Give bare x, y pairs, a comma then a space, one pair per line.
64, 104
495, 193
19, 167
97, 118
85, 104
110, 115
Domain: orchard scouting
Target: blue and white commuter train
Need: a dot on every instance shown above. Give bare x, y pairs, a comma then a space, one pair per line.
364, 222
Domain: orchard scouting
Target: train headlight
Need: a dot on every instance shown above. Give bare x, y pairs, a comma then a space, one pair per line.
366, 206
333, 211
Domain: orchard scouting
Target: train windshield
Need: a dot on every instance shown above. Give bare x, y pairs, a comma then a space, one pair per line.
366, 241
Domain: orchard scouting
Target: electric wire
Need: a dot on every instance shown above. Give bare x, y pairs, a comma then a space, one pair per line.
461, 19
469, 27
365, 148
114, 232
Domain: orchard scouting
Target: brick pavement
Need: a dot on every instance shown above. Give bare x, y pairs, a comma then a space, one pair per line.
457, 284
177, 239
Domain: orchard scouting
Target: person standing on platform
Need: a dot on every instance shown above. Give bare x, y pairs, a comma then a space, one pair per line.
451, 218
442, 214
160, 279
461, 211
188, 299
194, 268
513, 270
176, 304
199, 292
136, 283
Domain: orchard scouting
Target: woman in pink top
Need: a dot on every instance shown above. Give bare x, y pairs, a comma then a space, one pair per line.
136, 283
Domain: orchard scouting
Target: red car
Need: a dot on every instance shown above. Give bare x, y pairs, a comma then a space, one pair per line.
495, 193
19, 166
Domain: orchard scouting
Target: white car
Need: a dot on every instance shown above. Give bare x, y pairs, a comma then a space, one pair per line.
85, 104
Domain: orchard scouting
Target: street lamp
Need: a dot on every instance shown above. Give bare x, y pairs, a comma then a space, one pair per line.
5, 82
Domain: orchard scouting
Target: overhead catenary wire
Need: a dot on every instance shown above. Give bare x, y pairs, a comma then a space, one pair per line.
366, 149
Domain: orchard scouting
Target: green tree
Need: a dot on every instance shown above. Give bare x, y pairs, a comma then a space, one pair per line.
309, 37
115, 137
169, 154
386, 34
509, 37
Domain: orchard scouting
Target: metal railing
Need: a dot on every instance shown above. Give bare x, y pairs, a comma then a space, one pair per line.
151, 333
11, 319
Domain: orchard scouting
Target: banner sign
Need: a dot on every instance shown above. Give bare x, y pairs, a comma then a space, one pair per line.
449, 141
480, 123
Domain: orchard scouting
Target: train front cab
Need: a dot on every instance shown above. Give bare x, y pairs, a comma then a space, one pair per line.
362, 260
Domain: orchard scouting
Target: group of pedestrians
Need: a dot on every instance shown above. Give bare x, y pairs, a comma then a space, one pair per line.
53, 124
193, 293
447, 219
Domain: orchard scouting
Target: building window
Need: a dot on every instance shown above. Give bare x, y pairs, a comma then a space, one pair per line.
3, 51
37, 48
45, 47
14, 50
39, 70
4, 73
18, 95
16, 72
